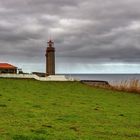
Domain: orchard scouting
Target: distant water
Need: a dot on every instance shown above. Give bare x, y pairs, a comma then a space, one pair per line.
111, 78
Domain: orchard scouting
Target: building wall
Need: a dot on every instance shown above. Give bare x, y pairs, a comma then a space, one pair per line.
33, 76
12, 71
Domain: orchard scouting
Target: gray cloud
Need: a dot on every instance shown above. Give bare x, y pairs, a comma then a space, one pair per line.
85, 32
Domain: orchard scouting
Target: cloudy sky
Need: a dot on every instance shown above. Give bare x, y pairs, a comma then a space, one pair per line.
91, 36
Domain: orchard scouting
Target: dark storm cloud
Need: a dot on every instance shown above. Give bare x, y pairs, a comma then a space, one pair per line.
84, 31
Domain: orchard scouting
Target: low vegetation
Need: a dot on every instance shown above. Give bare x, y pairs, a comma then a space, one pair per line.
132, 86
33, 110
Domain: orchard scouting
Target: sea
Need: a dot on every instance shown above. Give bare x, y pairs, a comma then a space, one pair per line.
111, 78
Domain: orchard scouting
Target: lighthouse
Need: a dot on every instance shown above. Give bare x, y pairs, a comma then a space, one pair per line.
50, 58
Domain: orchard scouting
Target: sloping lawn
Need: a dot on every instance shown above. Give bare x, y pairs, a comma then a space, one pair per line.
33, 110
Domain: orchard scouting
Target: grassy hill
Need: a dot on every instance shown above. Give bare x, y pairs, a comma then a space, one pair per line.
33, 110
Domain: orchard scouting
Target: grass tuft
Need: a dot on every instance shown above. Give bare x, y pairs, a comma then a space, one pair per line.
3, 105
37, 106
39, 131
23, 137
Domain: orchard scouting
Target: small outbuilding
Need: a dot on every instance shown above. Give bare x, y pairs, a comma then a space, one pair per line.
7, 68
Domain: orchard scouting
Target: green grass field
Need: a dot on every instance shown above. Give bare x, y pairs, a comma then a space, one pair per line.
33, 110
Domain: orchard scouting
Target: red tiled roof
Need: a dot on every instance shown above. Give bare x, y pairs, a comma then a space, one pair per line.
6, 66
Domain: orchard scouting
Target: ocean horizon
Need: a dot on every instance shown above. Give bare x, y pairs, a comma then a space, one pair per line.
111, 78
